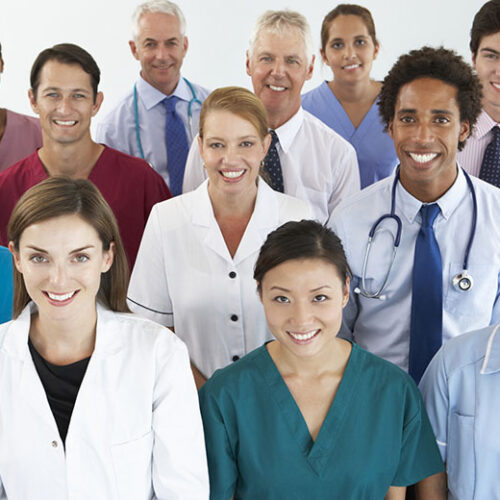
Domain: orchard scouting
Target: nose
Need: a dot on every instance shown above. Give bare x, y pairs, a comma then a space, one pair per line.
349, 51
230, 155
278, 68
161, 52
64, 105
302, 314
58, 276
424, 133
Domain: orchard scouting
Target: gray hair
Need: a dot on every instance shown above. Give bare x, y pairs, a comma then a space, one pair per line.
281, 22
161, 6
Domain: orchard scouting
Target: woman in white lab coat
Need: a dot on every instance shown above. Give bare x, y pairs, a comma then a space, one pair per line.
95, 403
195, 264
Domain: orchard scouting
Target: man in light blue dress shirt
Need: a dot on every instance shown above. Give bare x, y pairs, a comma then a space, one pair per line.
430, 101
137, 124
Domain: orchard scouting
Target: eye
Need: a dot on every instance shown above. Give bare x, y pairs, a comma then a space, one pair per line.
407, 119
360, 42
215, 145
281, 299
52, 95
443, 120
491, 56
80, 258
38, 259
172, 43
292, 60
247, 144
337, 45
265, 58
320, 298
80, 96
149, 44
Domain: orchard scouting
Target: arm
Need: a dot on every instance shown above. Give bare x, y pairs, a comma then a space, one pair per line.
199, 379
432, 488
195, 173
396, 493
179, 459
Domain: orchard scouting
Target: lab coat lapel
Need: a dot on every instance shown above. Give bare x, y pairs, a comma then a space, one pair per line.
264, 219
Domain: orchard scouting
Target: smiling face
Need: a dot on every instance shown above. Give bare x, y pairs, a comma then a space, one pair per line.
350, 50
232, 151
426, 129
279, 67
65, 103
487, 65
160, 47
303, 301
61, 260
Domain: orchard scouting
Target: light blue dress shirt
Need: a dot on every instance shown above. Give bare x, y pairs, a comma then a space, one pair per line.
461, 389
5, 285
118, 129
383, 326
374, 148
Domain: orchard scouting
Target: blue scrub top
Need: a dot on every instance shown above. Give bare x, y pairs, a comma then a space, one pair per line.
376, 433
6, 284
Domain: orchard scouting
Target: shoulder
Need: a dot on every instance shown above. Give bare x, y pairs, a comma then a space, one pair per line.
486, 192
201, 92
121, 110
290, 208
22, 171
112, 159
24, 121
311, 98
317, 131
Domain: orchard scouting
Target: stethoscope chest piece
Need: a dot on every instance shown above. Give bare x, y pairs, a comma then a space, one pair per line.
463, 281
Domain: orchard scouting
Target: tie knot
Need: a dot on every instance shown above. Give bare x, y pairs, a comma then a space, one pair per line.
170, 103
274, 138
429, 214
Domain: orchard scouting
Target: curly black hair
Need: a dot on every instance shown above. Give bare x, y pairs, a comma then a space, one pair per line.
441, 64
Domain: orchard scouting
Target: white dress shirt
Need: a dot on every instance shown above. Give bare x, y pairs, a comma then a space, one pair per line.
383, 326
318, 165
118, 128
471, 157
135, 431
185, 277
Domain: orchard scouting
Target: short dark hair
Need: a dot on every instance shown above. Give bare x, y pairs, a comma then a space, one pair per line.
58, 196
486, 22
306, 239
348, 9
440, 64
66, 53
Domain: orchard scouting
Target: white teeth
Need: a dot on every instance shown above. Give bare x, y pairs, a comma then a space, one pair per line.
62, 297
496, 85
423, 158
303, 336
351, 66
232, 174
65, 122
277, 89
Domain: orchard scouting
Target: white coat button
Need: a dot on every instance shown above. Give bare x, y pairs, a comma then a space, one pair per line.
54, 444
232, 275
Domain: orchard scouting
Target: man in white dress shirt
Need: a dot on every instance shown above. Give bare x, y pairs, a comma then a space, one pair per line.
139, 123
485, 48
430, 100
317, 164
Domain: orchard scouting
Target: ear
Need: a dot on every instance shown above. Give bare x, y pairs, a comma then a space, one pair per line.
185, 44
266, 144
1, 65
200, 145
323, 56
377, 48
464, 130
15, 254
389, 129
133, 48
345, 298
32, 98
247, 65
310, 69
473, 61
97, 104
109, 257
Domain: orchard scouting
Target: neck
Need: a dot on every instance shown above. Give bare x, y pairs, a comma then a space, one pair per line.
72, 160
276, 118
167, 88
493, 111
64, 342
3, 121
233, 205
364, 90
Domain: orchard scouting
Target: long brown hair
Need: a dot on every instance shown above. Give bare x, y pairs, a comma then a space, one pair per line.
58, 196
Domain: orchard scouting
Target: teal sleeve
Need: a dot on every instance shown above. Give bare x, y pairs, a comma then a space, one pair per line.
222, 467
420, 455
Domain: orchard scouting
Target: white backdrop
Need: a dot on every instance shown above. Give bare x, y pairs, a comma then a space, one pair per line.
218, 34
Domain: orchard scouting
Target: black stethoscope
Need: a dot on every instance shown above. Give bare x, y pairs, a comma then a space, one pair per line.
193, 100
462, 281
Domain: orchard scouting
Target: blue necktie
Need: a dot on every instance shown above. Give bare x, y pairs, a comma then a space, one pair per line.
426, 330
490, 167
272, 164
177, 146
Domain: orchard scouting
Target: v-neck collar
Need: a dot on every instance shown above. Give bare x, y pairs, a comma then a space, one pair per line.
318, 452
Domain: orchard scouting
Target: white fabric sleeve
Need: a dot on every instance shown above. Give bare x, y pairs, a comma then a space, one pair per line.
194, 173
148, 293
180, 469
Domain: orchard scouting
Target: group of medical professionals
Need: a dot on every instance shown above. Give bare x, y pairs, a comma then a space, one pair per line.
323, 268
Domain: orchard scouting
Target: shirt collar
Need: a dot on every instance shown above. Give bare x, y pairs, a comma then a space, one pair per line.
287, 132
483, 125
151, 96
491, 363
409, 206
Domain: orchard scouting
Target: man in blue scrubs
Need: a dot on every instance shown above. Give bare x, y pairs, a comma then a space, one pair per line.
444, 279
162, 104
6, 285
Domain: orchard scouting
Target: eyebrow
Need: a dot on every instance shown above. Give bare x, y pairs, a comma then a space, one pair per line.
41, 250
406, 111
276, 287
488, 49
48, 89
340, 39
243, 137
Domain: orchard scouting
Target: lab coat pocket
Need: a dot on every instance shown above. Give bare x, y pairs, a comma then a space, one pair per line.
460, 457
132, 462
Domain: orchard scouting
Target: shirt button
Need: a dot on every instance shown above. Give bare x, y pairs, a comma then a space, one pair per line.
234, 317
54, 444
236, 357
232, 275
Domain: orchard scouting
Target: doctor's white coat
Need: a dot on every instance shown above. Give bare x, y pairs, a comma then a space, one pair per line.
135, 432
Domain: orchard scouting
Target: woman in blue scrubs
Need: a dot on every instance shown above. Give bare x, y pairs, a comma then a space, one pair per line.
348, 103
310, 415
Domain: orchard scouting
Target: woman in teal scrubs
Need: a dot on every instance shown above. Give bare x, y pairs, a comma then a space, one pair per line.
310, 415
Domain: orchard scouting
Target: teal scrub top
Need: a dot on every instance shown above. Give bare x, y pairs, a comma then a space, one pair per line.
6, 284
376, 433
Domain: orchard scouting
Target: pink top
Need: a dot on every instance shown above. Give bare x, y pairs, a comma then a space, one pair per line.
21, 137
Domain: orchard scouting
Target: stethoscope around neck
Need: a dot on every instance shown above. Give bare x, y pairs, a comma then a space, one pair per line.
193, 100
462, 281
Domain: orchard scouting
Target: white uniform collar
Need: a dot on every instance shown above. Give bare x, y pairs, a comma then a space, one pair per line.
151, 96
287, 132
483, 125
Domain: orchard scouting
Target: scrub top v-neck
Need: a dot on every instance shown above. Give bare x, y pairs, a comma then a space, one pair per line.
375, 434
